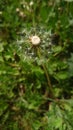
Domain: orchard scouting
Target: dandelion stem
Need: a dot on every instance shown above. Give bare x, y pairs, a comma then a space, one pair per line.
46, 73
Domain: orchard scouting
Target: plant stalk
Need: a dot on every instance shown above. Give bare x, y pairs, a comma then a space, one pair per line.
47, 75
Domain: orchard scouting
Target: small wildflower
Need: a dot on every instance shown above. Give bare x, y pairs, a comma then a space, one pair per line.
17, 9
35, 40
21, 14
31, 3
24, 5
0, 12
28, 8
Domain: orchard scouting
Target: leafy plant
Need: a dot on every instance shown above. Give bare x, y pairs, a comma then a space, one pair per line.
36, 86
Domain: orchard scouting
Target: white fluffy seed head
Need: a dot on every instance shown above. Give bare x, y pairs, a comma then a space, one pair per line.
35, 40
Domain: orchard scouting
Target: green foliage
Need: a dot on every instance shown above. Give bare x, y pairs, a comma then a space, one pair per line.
36, 81
71, 65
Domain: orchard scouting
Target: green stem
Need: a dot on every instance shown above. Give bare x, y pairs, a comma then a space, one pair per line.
47, 75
